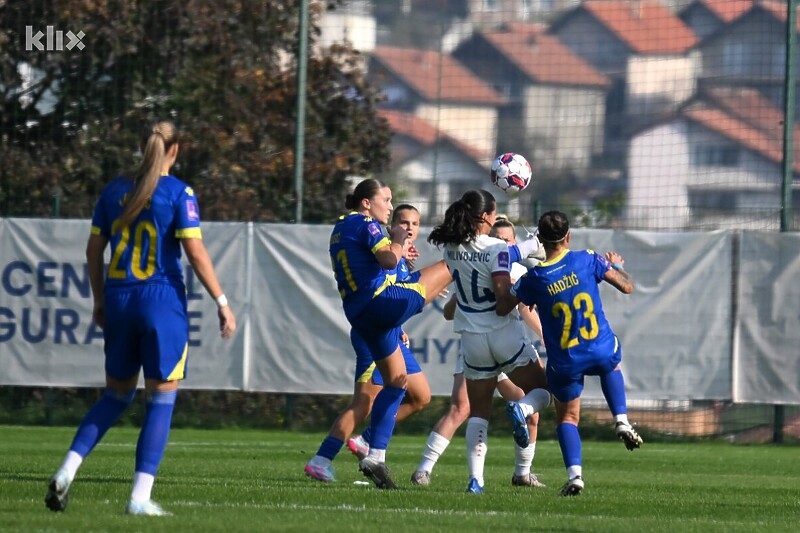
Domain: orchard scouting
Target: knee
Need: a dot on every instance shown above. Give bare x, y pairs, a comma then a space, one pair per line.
459, 412
417, 401
399, 380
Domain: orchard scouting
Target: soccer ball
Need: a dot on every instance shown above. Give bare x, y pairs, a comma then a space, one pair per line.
511, 172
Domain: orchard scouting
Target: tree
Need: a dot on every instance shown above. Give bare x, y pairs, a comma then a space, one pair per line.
223, 70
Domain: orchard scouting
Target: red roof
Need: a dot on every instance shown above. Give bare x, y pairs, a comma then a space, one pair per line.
747, 118
422, 70
647, 27
542, 57
726, 10
424, 132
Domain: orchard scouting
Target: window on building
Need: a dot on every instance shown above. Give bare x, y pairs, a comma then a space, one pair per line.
705, 155
734, 58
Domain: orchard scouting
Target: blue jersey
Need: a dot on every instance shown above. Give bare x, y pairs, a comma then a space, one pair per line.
148, 250
566, 293
359, 277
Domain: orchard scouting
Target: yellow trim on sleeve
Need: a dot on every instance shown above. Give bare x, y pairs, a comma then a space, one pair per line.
96, 230
381, 243
188, 233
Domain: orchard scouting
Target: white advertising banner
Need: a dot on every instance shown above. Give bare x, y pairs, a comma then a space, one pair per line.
677, 329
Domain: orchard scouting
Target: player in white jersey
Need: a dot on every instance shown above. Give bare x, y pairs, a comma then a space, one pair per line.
491, 344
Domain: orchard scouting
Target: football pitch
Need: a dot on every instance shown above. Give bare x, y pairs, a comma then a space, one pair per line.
246, 480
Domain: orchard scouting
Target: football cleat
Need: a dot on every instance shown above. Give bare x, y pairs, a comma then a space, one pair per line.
515, 414
628, 436
421, 477
57, 496
473, 487
573, 487
317, 469
377, 472
358, 446
528, 480
148, 508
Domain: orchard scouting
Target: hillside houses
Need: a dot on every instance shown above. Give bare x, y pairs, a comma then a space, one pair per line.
594, 94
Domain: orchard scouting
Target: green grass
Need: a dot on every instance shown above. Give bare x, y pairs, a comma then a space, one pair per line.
228, 480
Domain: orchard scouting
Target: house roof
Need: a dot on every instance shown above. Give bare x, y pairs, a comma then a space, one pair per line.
422, 70
746, 118
542, 57
425, 133
646, 26
724, 10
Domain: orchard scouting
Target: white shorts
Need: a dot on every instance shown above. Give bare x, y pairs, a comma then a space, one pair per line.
487, 355
459, 369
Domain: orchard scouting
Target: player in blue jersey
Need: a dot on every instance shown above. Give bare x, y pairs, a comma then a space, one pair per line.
376, 307
490, 344
368, 381
579, 339
141, 305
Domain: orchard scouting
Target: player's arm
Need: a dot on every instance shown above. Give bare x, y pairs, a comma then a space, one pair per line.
616, 275
201, 263
389, 254
531, 318
94, 262
449, 310
501, 284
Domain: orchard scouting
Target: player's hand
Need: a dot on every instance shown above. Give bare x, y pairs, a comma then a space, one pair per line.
410, 252
614, 258
227, 321
99, 315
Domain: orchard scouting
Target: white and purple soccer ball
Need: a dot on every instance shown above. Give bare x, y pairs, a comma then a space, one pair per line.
511, 172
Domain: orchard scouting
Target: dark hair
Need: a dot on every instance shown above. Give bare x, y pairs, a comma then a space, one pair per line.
553, 228
402, 207
462, 218
366, 189
504, 223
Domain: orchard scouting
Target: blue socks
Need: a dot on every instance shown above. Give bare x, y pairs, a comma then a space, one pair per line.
155, 431
613, 385
330, 447
100, 417
570, 442
367, 436
384, 411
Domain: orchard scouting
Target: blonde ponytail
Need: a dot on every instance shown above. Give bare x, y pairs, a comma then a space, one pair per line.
156, 141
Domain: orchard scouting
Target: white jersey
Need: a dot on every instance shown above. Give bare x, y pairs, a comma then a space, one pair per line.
472, 266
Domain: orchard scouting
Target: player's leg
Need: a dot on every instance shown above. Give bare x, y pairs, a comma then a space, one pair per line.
435, 278
122, 366
384, 412
567, 391
569, 440
418, 395
319, 467
116, 398
164, 353
442, 433
479, 392
524, 456
613, 384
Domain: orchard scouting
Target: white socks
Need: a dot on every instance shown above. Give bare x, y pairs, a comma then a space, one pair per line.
574, 471
434, 448
524, 457
477, 435
622, 418
535, 401
142, 486
379, 456
71, 463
